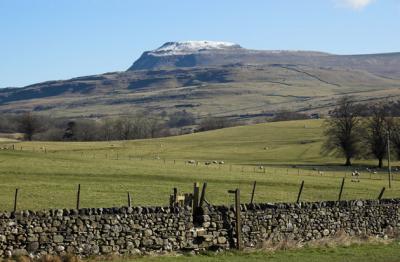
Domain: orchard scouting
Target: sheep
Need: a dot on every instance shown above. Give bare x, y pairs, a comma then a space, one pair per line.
215, 162
207, 163
192, 162
221, 162
355, 176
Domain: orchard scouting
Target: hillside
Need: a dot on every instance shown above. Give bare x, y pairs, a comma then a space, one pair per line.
290, 151
223, 80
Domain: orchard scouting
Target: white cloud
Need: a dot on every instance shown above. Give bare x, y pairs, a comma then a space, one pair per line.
355, 4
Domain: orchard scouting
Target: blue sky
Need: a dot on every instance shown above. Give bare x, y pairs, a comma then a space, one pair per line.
48, 40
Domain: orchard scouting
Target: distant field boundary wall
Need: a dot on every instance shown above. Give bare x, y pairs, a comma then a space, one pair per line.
140, 230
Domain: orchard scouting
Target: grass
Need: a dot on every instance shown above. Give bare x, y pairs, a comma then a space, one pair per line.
353, 253
47, 173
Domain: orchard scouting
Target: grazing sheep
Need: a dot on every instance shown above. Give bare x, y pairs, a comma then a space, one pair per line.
321, 173
261, 167
192, 162
207, 163
221, 162
355, 176
215, 162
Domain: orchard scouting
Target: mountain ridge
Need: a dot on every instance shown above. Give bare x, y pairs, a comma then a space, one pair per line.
385, 64
213, 80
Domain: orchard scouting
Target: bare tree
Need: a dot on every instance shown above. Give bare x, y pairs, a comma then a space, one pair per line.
343, 130
107, 129
212, 123
181, 119
7, 124
29, 125
378, 127
86, 130
287, 115
395, 136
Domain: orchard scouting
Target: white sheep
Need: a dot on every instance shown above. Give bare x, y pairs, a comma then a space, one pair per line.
355, 176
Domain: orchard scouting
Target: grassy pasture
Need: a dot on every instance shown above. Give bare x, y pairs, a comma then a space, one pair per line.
353, 253
47, 173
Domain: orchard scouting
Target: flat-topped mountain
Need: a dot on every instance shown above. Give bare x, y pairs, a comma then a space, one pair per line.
210, 54
217, 78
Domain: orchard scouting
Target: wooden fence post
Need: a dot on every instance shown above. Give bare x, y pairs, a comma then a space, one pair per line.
300, 191
341, 190
238, 220
252, 193
78, 197
381, 194
15, 200
129, 200
175, 196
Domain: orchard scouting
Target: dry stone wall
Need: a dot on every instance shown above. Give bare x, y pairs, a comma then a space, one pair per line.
140, 230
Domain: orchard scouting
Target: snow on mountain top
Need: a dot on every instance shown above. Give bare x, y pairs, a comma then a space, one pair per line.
189, 47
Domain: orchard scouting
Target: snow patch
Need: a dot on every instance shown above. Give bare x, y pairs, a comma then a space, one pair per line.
190, 47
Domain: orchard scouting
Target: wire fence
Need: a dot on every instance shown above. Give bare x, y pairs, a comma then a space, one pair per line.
114, 194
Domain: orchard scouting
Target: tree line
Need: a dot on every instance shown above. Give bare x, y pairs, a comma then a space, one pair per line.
356, 130
352, 130
138, 126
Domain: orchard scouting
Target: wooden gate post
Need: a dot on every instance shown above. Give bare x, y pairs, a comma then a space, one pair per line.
203, 194
195, 198
238, 218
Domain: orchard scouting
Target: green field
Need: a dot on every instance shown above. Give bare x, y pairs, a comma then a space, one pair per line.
354, 253
47, 173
